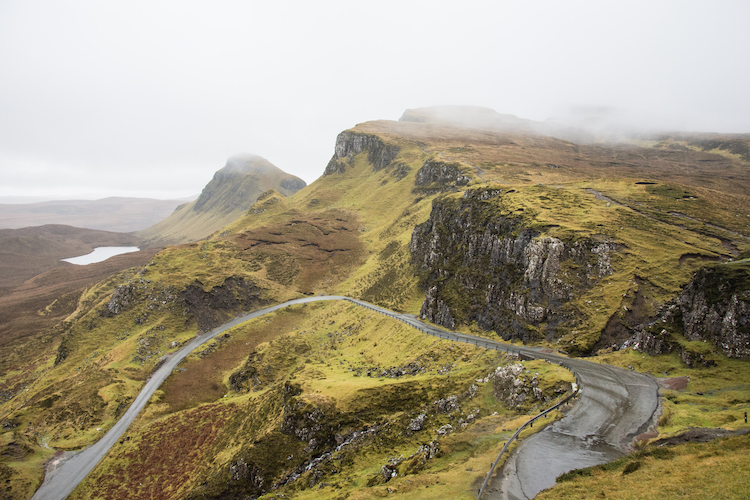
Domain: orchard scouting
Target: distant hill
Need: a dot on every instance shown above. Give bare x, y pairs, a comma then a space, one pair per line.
30, 251
489, 120
231, 192
468, 218
122, 215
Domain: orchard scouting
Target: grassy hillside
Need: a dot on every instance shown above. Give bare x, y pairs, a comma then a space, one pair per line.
269, 404
231, 192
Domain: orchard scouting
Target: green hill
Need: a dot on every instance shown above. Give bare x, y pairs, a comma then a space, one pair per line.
231, 192
497, 231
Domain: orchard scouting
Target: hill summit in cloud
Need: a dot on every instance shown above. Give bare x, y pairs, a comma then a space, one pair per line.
486, 119
230, 193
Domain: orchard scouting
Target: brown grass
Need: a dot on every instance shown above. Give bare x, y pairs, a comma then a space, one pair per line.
203, 378
146, 468
310, 251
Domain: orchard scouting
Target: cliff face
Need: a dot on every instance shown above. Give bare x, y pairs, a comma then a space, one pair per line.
437, 176
244, 177
479, 265
349, 144
229, 195
714, 307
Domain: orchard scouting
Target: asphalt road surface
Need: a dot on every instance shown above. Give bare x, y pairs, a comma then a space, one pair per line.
615, 406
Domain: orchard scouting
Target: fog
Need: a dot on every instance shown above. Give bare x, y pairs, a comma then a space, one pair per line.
150, 98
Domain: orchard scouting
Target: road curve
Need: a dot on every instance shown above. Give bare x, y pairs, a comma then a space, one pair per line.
615, 406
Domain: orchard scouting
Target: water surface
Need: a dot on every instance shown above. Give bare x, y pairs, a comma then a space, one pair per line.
100, 254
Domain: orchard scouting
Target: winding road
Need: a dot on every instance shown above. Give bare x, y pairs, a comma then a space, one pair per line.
615, 406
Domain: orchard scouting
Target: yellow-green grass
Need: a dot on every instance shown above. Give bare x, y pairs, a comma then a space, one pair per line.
21, 477
693, 471
319, 346
715, 396
661, 250
653, 259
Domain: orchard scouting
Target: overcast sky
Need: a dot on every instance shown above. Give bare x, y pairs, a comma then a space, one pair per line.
149, 98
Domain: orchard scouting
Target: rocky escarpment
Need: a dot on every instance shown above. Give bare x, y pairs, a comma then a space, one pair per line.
214, 307
349, 144
479, 265
436, 176
714, 307
233, 191
244, 177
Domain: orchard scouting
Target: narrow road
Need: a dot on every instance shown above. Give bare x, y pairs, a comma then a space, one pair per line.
615, 406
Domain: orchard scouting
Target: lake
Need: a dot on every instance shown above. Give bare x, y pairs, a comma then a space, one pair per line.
100, 254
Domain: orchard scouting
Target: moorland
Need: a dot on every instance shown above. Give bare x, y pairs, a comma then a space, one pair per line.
593, 248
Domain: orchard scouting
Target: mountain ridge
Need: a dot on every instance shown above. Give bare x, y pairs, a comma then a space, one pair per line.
119, 214
267, 405
231, 192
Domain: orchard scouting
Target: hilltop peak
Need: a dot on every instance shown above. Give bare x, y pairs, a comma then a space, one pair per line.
464, 116
232, 191
486, 119
245, 163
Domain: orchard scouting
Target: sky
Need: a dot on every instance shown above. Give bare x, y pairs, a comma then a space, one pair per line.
149, 98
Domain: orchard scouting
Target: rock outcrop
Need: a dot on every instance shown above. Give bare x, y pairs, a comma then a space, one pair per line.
437, 176
714, 307
479, 265
228, 196
349, 144
212, 308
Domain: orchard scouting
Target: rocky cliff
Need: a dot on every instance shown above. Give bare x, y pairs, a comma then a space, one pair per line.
714, 307
349, 144
241, 181
479, 264
228, 196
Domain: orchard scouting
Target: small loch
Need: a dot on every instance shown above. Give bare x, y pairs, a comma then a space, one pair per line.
100, 254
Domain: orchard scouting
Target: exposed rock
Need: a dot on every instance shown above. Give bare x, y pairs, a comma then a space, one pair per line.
390, 470
440, 176
310, 423
447, 405
655, 344
349, 144
511, 388
417, 423
445, 430
400, 171
694, 359
244, 177
241, 471
715, 306
123, 297
411, 368
418, 460
292, 184
478, 265
247, 373
231, 193
9, 424
212, 308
